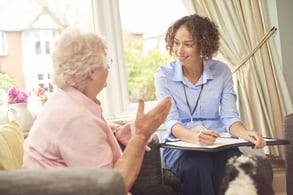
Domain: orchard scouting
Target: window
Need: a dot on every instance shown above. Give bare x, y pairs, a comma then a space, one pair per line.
144, 24
35, 36
120, 97
144, 45
3, 44
44, 32
44, 40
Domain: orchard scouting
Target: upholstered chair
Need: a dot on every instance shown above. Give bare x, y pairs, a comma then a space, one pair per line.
288, 132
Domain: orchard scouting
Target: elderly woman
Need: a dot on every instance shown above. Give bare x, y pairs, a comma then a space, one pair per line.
71, 131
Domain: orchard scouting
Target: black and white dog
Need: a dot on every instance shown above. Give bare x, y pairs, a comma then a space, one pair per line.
244, 177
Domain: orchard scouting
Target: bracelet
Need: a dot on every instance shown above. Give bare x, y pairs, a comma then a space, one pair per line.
116, 130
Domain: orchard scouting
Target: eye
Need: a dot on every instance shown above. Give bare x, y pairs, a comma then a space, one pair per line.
188, 45
176, 43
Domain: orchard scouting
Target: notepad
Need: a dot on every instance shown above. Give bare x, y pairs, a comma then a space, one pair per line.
221, 143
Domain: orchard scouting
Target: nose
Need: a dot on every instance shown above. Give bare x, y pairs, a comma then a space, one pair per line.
180, 49
109, 63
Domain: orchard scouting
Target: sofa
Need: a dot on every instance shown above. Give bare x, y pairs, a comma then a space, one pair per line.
73, 181
154, 172
69, 181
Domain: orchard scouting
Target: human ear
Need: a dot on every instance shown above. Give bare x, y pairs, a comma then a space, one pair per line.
92, 74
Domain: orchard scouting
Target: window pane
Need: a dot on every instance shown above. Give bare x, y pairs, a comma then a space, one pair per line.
47, 47
38, 47
3, 44
40, 77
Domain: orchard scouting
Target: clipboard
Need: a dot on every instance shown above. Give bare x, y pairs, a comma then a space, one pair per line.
221, 143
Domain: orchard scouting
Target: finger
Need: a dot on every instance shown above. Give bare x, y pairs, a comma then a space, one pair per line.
140, 109
215, 134
206, 137
208, 141
252, 139
211, 133
165, 103
260, 143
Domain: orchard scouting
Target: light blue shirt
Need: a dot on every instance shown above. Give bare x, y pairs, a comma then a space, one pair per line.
216, 108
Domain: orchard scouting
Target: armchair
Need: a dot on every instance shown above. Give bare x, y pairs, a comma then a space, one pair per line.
288, 132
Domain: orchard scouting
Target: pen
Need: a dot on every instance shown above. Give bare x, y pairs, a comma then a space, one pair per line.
231, 137
213, 134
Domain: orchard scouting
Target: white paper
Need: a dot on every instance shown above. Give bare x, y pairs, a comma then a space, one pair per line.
221, 141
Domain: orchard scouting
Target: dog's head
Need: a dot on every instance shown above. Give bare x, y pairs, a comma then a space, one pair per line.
243, 176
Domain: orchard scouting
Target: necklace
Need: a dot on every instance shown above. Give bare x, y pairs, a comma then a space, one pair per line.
196, 103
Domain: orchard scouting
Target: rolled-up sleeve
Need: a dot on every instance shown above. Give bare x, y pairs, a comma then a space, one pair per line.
229, 113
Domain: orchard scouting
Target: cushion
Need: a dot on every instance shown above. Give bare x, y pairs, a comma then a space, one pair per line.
62, 181
11, 146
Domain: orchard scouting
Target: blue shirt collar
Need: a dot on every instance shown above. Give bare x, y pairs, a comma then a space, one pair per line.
207, 74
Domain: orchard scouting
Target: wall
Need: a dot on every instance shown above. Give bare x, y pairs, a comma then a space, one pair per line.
12, 63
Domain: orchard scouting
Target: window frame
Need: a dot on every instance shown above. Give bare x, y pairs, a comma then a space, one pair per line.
3, 44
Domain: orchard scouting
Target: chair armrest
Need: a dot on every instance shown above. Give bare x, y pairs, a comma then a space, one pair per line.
73, 181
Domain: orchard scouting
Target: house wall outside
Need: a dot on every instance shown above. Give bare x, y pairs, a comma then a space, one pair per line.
37, 67
12, 63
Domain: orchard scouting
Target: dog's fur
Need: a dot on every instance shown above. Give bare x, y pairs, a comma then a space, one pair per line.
244, 177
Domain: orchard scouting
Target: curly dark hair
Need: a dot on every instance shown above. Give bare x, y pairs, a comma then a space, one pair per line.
202, 28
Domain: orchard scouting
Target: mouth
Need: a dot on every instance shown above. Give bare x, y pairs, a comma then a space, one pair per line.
181, 58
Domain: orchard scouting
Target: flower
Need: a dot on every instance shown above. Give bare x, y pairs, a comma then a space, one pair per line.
39, 92
16, 95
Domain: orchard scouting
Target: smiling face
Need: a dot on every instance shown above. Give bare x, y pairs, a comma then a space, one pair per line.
185, 47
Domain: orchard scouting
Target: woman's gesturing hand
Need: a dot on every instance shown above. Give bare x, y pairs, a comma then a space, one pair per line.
147, 123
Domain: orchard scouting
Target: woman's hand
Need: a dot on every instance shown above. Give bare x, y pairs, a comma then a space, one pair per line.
238, 130
206, 137
147, 123
123, 133
256, 138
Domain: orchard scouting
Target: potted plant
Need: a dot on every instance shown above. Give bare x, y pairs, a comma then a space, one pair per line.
18, 110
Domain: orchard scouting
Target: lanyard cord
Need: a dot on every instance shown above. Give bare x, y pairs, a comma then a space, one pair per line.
191, 113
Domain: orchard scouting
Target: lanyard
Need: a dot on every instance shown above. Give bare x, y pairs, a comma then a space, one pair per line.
191, 113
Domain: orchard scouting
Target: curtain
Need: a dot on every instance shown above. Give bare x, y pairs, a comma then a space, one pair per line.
249, 46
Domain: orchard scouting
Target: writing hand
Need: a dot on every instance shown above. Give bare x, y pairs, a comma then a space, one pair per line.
207, 137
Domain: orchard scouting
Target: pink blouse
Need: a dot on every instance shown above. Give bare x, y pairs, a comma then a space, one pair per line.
70, 131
